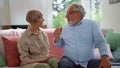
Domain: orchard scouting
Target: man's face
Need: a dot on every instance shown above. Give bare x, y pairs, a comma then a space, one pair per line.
73, 17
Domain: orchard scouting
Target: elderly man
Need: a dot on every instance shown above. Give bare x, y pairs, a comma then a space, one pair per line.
79, 37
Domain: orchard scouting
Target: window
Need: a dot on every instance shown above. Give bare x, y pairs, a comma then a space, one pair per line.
92, 7
96, 10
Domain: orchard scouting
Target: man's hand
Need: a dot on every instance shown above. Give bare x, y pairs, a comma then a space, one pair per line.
57, 34
105, 63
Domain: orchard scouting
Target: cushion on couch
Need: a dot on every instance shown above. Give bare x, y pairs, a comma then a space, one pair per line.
9, 32
2, 60
116, 55
11, 51
54, 50
113, 39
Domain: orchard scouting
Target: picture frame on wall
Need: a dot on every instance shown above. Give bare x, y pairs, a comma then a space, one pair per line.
113, 1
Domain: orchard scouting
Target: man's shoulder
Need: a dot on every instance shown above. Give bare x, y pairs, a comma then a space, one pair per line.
88, 20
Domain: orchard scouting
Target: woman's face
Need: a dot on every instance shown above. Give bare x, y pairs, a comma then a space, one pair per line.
39, 21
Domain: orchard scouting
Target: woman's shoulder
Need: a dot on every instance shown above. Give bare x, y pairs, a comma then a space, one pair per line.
24, 36
42, 31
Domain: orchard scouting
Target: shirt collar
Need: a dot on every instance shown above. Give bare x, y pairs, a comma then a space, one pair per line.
29, 32
80, 22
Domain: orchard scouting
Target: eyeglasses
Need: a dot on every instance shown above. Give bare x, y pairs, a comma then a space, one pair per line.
71, 12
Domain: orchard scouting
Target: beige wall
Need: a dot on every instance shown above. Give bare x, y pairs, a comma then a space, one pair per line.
111, 16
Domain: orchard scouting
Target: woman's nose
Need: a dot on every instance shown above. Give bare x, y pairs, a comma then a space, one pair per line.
42, 19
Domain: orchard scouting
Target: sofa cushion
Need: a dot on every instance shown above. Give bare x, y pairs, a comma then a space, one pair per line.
9, 32
11, 51
116, 55
2, 60
113, 39
54, 50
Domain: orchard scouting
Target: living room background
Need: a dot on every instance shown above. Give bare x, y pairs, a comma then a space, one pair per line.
12, 12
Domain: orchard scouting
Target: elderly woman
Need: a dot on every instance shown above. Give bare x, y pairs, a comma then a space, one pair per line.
33, 45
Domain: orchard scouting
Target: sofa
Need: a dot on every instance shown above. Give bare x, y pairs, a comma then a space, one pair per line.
113, 38
9, 52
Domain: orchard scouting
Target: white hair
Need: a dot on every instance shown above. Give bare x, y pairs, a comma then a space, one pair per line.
79, 7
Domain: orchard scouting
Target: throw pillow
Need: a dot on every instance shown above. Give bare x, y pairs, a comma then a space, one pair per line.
2, 60
113, 39
116, 55
11, 51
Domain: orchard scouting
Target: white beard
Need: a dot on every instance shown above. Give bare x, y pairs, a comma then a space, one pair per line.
71, 23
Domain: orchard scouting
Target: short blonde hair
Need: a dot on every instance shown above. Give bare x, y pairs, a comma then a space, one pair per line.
33, 15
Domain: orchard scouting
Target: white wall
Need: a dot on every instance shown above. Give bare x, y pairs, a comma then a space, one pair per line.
111, 16
4, 12
13, 12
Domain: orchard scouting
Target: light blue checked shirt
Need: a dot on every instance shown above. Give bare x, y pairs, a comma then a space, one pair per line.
80, 40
